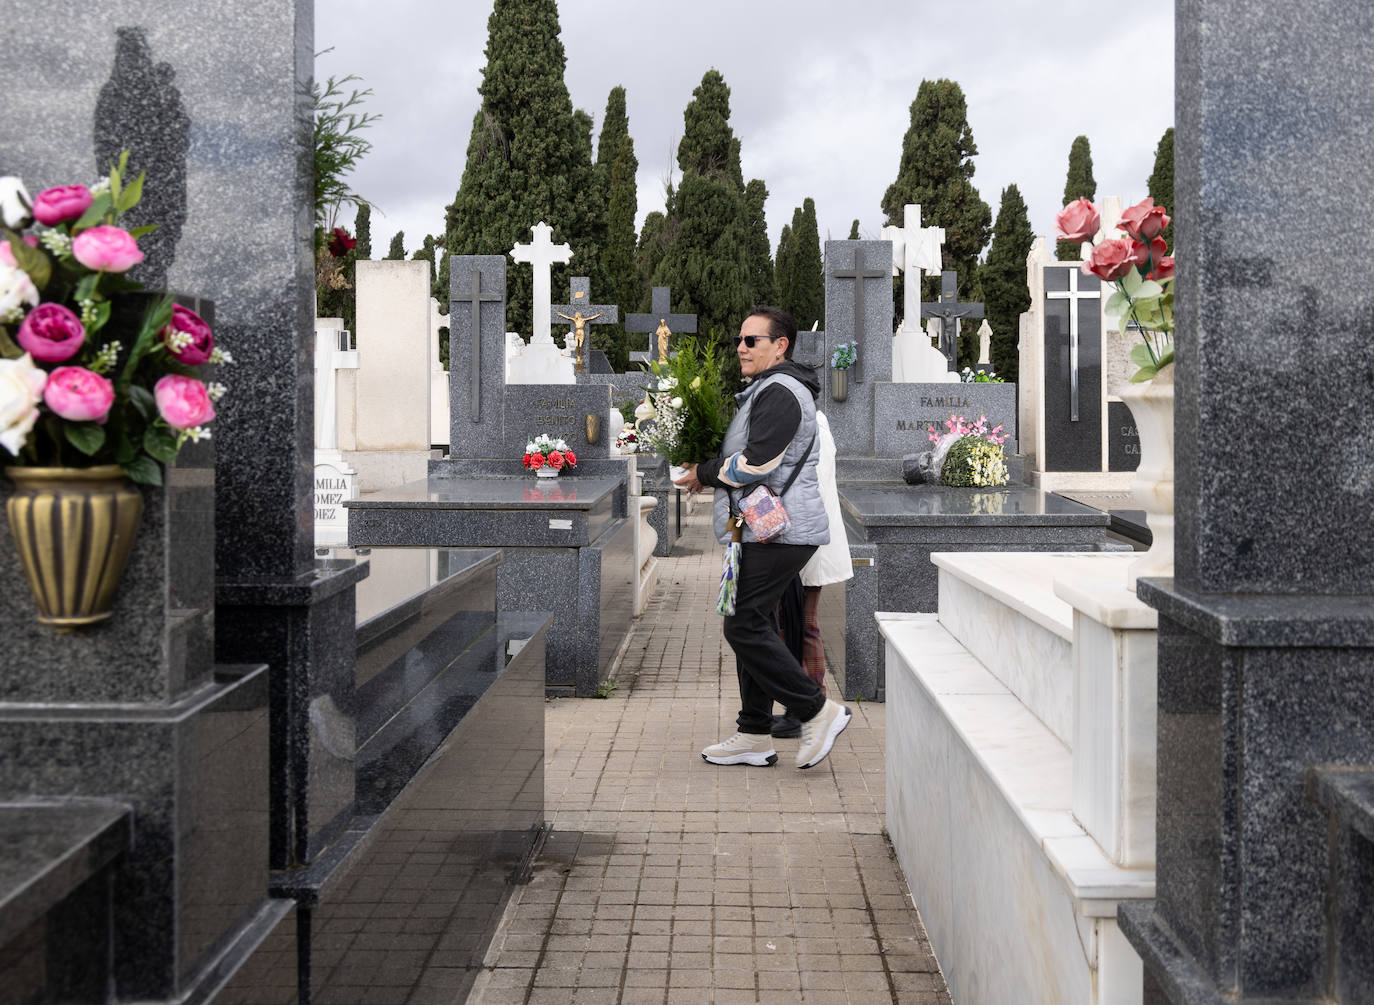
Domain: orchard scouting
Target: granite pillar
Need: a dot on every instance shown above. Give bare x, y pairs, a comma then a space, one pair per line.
1266, 633
214, 104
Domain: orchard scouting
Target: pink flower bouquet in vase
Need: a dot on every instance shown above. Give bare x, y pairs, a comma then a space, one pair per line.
101, 385
1139, 265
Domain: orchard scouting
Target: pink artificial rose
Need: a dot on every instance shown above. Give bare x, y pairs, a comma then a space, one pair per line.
1078, 221
65, 202
51, 333
106, 249
1111, 259
191, 326
183, 401
1144, 221
1164, 269
78, 394
1144, 252
7, 253
555, 459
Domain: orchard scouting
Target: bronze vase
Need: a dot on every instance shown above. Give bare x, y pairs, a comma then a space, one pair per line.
73, 529
839, 385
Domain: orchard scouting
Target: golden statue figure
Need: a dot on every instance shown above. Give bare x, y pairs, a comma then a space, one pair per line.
662, 332
579, 324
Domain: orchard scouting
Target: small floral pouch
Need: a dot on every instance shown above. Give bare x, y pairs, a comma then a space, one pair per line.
764, 513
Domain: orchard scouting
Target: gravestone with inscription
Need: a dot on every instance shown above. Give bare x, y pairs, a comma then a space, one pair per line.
1077, 433
1123, 438
335, 479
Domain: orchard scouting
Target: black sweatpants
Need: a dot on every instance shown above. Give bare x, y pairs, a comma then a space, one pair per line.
767, 670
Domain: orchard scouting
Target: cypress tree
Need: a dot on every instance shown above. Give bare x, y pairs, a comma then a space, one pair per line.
706, 261
782, 268
1160, 184
763, 288
528, 158
397, 251
362, 230
1006, 293
1080, 184
438, 287
653, 244
935, 172
806, 288
426, 253
616, 168
854, 231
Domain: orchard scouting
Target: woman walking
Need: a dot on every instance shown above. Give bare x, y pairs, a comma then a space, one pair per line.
772, 440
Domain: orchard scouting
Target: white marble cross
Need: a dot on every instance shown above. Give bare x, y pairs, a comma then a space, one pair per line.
542, 253
915, 250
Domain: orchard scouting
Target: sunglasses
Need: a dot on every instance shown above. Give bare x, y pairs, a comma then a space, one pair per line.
749, 340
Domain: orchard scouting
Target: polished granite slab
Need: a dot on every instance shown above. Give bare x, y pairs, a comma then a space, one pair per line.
488, 512
51, 848
492, 492
894, 505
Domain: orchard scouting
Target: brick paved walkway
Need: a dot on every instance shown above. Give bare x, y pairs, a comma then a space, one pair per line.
670, 880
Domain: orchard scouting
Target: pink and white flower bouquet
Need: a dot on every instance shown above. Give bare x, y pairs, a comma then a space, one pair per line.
93, 370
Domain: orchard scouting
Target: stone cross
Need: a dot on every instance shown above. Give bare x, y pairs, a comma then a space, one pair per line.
1073, 294
915, 251
859, 274
542, 253
476, 298
580, 306
659, 316
477, 363
949, 310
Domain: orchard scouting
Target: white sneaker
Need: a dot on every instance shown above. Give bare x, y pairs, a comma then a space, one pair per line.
818, 734
743, 748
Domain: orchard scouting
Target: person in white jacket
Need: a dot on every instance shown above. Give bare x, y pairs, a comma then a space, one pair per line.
830, 564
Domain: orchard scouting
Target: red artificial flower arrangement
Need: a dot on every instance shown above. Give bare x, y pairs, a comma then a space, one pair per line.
548, 450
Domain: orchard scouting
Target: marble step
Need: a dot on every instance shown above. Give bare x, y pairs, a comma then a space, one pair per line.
1002, 607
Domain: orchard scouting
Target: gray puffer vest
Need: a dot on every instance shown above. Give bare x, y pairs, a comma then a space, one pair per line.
803, 500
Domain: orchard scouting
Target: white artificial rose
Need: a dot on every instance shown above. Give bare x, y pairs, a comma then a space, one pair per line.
15, 204
16, 290
21, 389
676, 403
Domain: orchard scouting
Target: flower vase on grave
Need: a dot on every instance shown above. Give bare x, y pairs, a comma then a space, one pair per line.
73, 529
1152, 405
839, 385
547, 471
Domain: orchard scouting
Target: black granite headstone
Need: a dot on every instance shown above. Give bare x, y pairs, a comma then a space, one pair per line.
1123, 438
1072, 390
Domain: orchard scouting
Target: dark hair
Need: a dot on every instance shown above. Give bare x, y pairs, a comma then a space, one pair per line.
780, 325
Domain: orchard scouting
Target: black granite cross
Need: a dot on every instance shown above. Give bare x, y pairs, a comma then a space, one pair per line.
476, 297
580, 303
659, 315
859, 274
949, 310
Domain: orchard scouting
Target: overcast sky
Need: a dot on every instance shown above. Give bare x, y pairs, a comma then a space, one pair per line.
820, 93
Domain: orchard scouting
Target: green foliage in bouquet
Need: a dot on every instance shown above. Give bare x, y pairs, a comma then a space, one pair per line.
696, 392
